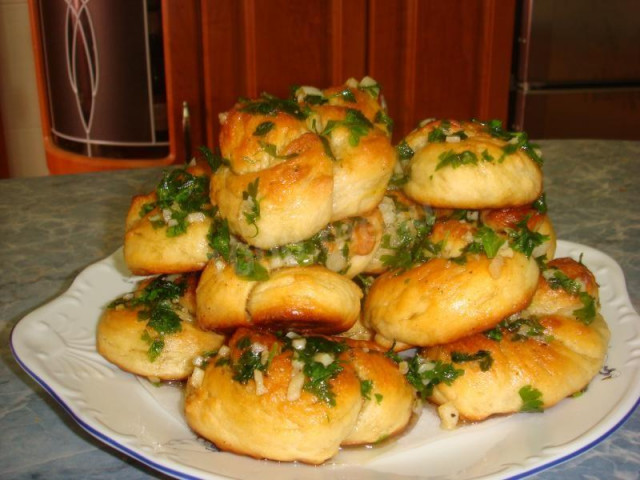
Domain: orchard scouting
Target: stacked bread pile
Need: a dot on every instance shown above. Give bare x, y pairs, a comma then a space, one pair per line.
295, 267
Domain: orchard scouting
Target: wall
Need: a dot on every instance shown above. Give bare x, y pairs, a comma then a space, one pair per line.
18, 93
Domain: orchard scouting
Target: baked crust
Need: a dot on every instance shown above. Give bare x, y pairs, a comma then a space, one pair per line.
443, 300
484, 176
121, 340
308, 299
277, 414
553, 351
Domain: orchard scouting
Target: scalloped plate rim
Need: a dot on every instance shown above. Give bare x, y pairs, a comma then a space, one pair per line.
599, 431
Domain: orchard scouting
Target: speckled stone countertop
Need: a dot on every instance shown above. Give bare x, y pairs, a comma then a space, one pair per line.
51, 228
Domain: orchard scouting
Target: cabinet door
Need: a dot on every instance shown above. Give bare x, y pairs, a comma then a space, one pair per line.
255, 46
432, 58
441, 59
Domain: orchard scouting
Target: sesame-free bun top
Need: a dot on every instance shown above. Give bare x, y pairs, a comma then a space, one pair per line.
159, 236
545, 353
127, 340
257, 398
443, 300
292, 167
308, 299
471, 165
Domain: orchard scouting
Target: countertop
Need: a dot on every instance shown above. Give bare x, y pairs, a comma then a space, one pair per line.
51, 228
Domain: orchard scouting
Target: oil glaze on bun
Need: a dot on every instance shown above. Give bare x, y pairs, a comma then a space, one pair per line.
256, 398
470, 165
142, 346
161, 237
309, 299
534, 359
443, 300
294, 165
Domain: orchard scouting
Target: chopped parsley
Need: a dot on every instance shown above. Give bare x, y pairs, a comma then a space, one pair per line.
483, 357
587, 313
214, 160
159, 303
264, 128
517, 140
317, 374
424, 374
355, 122
454, 159
485, 240
270, 105
179, 194
250, 196
531, 399
366, 386
524, 240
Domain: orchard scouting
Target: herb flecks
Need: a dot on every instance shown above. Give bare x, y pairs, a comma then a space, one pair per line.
483, 357
424, 374
158, 302
531, 399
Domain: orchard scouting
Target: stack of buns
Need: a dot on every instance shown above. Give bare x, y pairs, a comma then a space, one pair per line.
316, 283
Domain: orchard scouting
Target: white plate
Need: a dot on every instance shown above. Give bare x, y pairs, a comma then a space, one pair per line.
56, 346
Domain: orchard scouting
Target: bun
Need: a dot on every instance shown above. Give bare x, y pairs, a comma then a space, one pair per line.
273, 409
166, 230
294, 166
552, 354
125, 339
307, 299
470, 165
443, 300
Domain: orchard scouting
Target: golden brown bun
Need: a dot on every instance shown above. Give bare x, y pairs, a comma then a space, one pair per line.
505, 219
294, 196
148, 247
269, 425
549, 301
361, 171
275, 414
307, 167
120, 339
388, 404
558, 362
309, 299
442, 300
503, 181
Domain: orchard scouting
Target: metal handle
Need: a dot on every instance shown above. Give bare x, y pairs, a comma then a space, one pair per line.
186, 131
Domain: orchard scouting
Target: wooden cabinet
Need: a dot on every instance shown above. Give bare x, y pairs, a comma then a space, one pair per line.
432, 58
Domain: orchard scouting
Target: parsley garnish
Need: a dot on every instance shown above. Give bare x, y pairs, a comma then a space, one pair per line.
456, 159
524, 240
317, 374
157, 300
483, 357
587, 313
486, 240
215, 160
250, 195
366, 386
271, 105
425, 379
404, 151
355, 121
531, 399
180, 193
264, 128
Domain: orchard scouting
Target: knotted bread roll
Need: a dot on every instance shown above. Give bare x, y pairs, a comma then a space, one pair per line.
472, 165
152, 332
531, 360
295, 398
